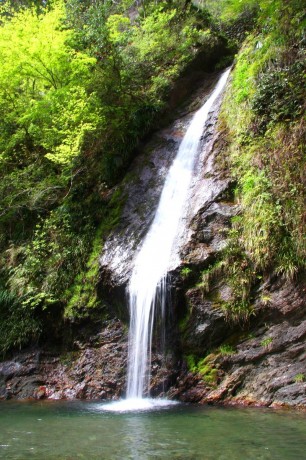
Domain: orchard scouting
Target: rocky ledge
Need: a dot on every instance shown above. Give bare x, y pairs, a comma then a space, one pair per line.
262, 363
94, 369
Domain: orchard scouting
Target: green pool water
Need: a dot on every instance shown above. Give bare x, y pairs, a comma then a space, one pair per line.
82, 430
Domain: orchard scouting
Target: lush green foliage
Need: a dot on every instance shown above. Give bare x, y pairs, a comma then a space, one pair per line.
299, 378
17, 324
45, 106
262, 114
205, 367
81, 83
227, 10
226, 349
234, 18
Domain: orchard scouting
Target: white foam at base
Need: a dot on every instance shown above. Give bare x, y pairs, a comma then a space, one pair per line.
137, 404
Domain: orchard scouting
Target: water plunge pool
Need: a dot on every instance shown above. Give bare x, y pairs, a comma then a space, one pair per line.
84, 430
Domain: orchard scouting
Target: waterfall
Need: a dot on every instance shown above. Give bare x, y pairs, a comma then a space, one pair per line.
147, 287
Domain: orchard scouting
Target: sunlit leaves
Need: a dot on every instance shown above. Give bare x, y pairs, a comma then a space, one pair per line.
43, 83
118, 27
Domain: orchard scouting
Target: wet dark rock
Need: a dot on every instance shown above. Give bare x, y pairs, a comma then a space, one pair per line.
142, 188
164, 372
96, 370
227, 388
268, 364
206, 326
189, 388
92, 372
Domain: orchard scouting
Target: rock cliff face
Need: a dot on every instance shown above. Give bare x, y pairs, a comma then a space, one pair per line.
266, 364
143, 184
94, 369
259, 362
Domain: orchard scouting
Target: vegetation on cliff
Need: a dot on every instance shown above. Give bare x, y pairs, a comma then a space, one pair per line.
81, 84
263, 125
263, 119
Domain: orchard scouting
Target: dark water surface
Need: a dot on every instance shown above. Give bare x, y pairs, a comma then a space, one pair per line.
82, 430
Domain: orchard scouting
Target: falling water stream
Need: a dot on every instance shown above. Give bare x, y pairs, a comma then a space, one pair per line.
147, 287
